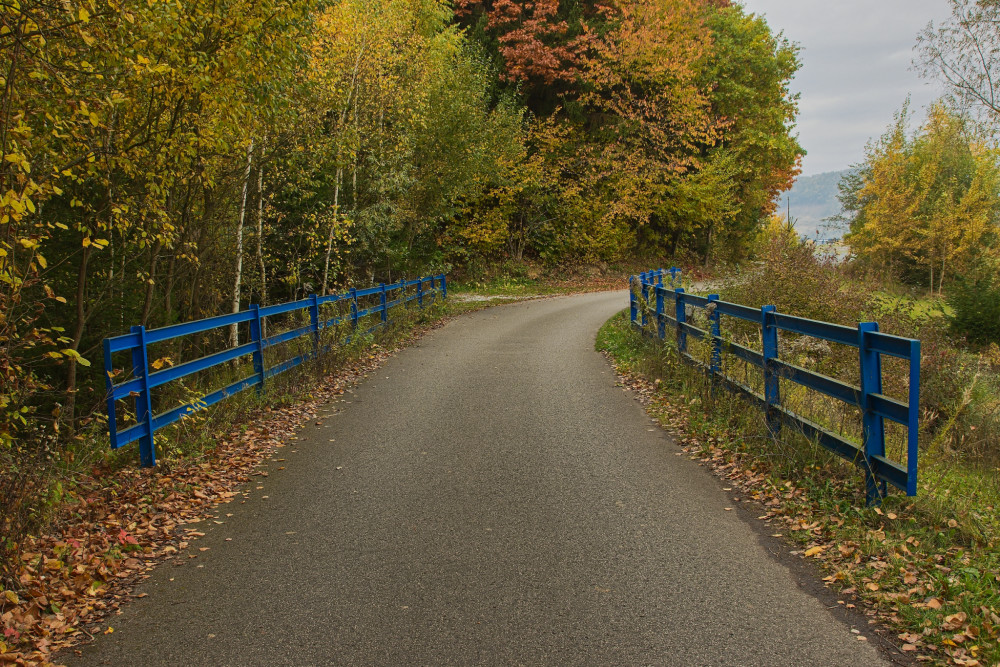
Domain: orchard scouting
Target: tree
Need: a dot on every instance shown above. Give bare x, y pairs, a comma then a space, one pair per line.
964, 53
924, 204
748, 73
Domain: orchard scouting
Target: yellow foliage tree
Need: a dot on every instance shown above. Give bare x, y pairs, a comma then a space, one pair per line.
924, 205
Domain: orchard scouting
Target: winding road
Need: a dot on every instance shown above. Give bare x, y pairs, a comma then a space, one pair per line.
489, 497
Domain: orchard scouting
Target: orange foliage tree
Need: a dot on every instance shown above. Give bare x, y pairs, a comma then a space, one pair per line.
666, 122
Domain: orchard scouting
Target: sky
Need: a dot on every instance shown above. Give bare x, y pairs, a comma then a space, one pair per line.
857, 59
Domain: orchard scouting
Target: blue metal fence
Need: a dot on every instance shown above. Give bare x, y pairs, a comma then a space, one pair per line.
670, 304
142, 381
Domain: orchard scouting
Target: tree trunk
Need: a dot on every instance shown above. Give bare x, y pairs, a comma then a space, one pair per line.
68, 413
351, 94
260, 224
234, 333
708, 244
168, 301
333, 227
147, 304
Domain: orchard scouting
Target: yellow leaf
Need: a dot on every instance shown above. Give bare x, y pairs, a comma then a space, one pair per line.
86, 242
73, 354
42, 262
813, 551
11, 597
84, 15
161, 362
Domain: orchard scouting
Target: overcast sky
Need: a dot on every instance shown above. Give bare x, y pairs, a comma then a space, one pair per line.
856, 60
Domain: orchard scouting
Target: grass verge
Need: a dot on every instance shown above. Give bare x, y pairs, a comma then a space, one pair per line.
924, 569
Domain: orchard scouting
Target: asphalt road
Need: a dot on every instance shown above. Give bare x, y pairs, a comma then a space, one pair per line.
489, 498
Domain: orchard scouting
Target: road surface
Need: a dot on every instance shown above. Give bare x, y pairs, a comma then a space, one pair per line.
489, 497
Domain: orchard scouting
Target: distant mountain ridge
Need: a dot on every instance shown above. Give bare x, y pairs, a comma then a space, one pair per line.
811, 199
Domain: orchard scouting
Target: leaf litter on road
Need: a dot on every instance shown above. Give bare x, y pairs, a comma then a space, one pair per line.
120, 524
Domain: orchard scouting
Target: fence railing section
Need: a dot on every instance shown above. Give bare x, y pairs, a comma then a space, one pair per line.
358, 307
670, 306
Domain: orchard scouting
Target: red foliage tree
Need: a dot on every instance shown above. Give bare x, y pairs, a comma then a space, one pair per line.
535, 40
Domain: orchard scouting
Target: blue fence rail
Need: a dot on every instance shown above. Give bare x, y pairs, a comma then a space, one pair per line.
142, 382
669, 305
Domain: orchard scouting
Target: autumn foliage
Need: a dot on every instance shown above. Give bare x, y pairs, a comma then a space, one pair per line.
535, 40
668, 123
164, 162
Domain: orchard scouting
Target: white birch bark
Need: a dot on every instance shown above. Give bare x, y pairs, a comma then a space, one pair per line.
260, 223
234, 334
340, 170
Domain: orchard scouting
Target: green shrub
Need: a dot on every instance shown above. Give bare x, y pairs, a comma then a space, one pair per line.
975, 300
959, 386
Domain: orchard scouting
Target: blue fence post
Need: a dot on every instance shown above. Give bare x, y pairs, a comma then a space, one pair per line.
645, 298
382, 302
144, 401
714, 317
257, 336
631, 300
444, 286
314, 322
772, 388
681, 316
110, 384
873, 425
420, 293
661, 322
913, 419
354, 308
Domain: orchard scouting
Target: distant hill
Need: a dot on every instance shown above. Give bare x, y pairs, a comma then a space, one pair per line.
811, 199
